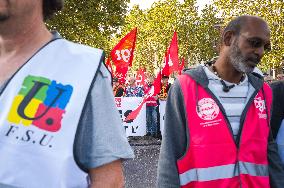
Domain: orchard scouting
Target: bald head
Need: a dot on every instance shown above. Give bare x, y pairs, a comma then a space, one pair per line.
245, 22
131, 80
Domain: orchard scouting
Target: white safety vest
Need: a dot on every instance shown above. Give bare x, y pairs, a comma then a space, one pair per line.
39, 112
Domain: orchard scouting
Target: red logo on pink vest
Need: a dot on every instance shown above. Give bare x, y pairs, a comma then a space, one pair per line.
260, 105
207, 109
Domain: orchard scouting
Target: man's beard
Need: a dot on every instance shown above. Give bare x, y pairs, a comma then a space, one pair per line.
240, 62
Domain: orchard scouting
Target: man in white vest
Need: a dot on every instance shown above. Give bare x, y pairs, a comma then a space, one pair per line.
59, 126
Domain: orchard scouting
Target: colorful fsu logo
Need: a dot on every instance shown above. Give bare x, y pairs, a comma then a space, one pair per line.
41, 103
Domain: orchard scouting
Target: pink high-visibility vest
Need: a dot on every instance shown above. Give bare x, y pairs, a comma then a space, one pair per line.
151, 101
213, 159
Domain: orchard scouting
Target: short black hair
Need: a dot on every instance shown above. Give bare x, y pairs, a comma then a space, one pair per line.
50, 7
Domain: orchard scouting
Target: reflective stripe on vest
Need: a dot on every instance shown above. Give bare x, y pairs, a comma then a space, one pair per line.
222, 172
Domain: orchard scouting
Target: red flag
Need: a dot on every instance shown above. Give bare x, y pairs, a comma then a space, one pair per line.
181, 66
108, 65
122, 53
155, 89
166, 68
171, 57
120, 73
140, 77
157, 84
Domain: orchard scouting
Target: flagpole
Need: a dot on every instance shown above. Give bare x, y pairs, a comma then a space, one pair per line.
159, 135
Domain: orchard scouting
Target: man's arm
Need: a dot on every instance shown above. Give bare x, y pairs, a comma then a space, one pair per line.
100, 142
174, 139
107, 176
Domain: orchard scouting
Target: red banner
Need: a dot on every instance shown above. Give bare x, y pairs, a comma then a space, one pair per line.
120, 73
171, 57
181, 66
122, 54
157, 84
166, 68
140, 77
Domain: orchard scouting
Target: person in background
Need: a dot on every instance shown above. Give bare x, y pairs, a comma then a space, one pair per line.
54, 97
151, 111
280, 77
217, 129
118, 89
277, 118
132, 90
268, 79
165, 87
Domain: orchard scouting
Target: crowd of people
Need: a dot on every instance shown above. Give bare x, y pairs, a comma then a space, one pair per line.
269, 79
132, 89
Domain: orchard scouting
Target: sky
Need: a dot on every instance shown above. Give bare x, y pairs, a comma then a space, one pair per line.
144, 4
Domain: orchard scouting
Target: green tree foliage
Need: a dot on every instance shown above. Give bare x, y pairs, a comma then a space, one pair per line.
272, 11
90, 22
157, 25
102, 23
205, 39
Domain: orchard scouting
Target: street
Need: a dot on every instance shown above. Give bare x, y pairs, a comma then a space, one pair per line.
142, 171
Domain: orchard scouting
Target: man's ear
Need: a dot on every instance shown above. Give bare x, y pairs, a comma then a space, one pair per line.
228, 38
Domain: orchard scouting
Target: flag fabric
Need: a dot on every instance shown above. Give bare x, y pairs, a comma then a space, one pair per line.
166, 68
132, 115
122, 54
157, 84
120, 74
171, 57
140, 77
181, 66
155, 90
108, 65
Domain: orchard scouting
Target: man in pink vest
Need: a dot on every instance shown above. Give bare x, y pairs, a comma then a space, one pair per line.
217, 129
151, 111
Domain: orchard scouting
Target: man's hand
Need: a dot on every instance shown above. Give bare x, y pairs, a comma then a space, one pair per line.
107, 176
